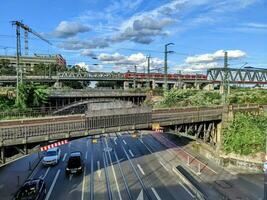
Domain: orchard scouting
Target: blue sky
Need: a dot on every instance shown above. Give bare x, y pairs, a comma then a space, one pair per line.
121, 33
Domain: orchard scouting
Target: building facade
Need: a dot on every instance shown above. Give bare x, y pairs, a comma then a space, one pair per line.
28, 62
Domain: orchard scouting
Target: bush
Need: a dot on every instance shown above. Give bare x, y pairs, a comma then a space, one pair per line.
246, 134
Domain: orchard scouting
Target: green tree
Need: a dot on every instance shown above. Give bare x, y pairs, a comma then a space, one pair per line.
6, 68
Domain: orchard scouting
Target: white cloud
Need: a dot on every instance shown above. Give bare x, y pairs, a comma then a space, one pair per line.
67, 29
90, 68
122, 62
88, 52
200, 67
83, 65
218, 55
144, 27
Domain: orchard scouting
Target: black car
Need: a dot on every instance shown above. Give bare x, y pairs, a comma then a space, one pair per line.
75, 163
33, 189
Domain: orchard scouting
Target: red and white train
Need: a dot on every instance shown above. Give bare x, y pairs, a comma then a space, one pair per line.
131, 75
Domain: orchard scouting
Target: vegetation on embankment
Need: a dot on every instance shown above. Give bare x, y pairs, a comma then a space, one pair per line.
181, 98
246, 134
30, 95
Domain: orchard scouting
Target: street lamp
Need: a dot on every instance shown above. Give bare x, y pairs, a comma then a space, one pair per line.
166, 64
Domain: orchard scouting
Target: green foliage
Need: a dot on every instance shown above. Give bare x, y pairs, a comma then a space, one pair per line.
5, 68
246, 134
244, 96
31, 95
176, 97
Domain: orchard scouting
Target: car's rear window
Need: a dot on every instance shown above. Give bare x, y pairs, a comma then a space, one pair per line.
74, 162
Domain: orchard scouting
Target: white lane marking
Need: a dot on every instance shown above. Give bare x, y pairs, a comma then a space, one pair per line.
113, 171
98, 169
87, 143
83, 187
163, 166
131, 153
141, 140
115, 141
124, 142
70, 177
52, 186
140, 196
141, 170
64, 157
155, 193
86, 155
46, 172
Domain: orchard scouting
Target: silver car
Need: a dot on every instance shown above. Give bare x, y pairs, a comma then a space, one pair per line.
52, 157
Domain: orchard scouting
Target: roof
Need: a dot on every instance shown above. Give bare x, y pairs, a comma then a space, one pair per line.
76, 153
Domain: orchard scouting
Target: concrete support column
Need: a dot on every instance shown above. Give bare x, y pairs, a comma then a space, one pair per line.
221, 89
184, 87
139, 85
58, 84
197, 86
2, 155
209, 87
154, 84
125, 85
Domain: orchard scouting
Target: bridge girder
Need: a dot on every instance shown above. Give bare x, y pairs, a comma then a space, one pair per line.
244, 76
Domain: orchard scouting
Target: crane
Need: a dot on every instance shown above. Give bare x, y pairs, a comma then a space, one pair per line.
27, 29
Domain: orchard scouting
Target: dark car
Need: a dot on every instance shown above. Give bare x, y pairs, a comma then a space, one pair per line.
75, 163
33, 189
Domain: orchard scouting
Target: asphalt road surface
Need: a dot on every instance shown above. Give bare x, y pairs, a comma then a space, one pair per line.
118, 167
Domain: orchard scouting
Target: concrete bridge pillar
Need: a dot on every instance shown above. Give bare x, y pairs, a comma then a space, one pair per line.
184, 86
221, 89
139, 85
58, 84
126, 85
197, 86
209, 87
154, 85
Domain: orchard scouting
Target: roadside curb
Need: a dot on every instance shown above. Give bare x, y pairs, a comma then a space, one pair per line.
197, 193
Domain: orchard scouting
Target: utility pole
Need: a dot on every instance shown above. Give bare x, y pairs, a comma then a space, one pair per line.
18, 54
135, 71
148, 71
27, 29
225, 78
166, 65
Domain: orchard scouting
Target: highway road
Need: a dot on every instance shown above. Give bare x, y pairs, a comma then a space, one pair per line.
119, 167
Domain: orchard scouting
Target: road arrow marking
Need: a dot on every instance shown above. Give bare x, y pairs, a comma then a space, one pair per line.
140, 196
141, 170
115, 141
98, 169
